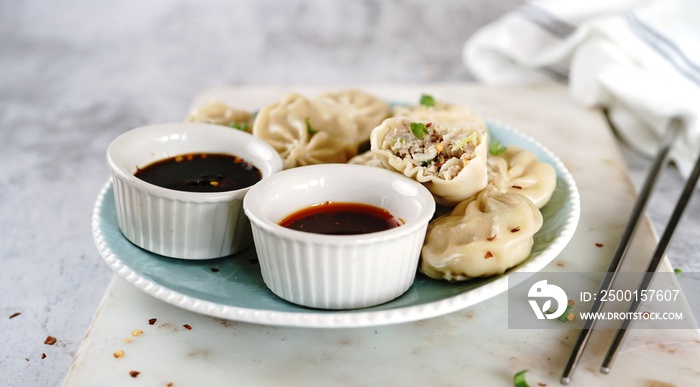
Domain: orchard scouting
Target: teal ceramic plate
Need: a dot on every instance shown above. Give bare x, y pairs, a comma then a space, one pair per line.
232, 287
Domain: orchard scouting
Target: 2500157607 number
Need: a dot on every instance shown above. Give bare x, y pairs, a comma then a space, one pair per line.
667, 295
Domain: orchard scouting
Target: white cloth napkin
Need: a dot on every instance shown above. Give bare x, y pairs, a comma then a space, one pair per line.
639, 59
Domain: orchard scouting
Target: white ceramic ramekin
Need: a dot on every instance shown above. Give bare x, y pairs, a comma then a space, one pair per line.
338, 271
179, 224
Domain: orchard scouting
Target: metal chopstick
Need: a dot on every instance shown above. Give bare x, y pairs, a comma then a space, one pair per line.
665, 240
649, 183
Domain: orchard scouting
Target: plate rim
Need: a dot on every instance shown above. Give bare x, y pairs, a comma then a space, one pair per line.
354, 318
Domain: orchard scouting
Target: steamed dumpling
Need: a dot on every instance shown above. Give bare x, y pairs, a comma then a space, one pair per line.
305, 133
216, 112
367, 158
448, 158
365, 109
482, 236
517, 170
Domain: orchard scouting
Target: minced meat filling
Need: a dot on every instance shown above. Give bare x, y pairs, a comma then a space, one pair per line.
442, 149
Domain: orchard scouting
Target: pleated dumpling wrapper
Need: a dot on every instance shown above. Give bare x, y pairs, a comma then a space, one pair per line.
306, 133
517, 170
482, 236
219, 113
448, 158
367, 158
365, 109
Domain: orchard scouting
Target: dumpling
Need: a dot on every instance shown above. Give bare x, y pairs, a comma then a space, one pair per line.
216, 112
517, 170
482, 236
306, 133
448, 158
436, 111
365, 109
367, 158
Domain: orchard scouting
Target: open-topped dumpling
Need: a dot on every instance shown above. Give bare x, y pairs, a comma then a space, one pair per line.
448, 158
482, 236
365, 109
305, 133
517, 170
217, 112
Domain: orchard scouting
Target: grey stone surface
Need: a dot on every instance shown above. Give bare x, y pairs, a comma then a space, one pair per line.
74, 74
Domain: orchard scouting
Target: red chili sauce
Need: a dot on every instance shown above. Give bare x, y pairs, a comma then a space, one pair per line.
340, 218
201, 172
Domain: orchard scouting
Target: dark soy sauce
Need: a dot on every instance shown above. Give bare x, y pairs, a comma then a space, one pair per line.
201, 172
341, 218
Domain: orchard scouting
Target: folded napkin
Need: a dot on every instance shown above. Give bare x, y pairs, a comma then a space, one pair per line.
638, 59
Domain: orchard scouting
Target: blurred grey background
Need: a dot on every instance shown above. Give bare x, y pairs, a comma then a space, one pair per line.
76, 73
84, 55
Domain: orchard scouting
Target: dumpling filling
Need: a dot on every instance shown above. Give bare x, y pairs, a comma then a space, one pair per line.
442, 149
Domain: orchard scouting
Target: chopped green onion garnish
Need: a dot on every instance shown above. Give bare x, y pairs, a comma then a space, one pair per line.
459, 145
678, 272
519, 379
419, 129
496, 148
240, 126
397, 144
563, 318
309, 129
427, 100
